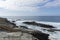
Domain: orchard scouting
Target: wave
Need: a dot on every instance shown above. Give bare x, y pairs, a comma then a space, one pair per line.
53, 35
55, 24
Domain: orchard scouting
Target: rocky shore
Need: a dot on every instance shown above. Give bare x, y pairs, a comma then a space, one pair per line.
8, 27
39, 24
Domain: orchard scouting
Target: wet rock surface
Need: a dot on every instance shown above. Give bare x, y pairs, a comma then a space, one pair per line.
39, 24
24, 27
40, 35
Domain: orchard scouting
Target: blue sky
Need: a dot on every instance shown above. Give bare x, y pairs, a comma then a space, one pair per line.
29, 7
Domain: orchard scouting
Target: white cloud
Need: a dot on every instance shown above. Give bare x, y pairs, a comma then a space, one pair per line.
18, 4
27, 4
54, 3
24, 6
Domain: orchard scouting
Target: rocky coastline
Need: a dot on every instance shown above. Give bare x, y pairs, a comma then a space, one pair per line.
9, 27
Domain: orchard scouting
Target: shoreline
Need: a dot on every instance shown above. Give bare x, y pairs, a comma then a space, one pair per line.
10, 27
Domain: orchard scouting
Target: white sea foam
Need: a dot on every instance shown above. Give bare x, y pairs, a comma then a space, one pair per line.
55, 24
53, 35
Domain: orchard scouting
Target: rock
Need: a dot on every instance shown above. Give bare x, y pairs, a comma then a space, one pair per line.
16, 36
52, 30
39, 35
26, 34
5, 22
13, 21
39, 24
24, 27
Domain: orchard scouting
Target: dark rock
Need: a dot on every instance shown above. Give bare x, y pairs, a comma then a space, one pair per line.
24, 27
39, 24
13, 21
39, 35
5, 22
52, 30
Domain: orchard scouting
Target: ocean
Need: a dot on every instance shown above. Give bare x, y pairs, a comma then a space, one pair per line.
37, 18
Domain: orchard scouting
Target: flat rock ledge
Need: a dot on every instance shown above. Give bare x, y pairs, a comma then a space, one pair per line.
23, 36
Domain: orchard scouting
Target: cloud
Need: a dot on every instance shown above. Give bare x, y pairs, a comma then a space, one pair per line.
49, 3
28, 4
19, 7
18, 4
2, 0
53, 3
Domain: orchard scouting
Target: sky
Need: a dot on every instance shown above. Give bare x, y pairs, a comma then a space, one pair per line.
29, 7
